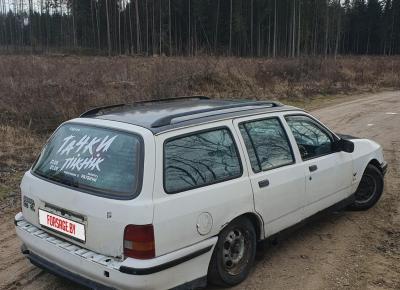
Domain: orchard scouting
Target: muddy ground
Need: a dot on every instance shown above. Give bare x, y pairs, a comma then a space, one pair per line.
345, 250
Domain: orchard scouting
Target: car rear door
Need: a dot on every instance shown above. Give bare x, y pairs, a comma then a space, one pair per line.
201, 184
277, 178
328, 173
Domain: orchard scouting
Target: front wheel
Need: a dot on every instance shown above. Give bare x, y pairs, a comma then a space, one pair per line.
234, 253
369, 190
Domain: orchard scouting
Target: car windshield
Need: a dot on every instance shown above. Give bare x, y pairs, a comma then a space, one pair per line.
94, 159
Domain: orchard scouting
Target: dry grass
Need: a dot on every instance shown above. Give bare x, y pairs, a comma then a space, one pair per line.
18, 148
37, 93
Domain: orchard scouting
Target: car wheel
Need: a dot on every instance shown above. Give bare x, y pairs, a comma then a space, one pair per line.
234, 253
369, 190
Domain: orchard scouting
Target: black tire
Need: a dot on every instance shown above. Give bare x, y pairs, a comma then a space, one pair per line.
369, 190
234, 253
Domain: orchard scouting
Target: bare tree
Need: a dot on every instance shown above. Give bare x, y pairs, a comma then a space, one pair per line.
293, 29
230, 29
130, 28
73, 22
138, 48
216, 26
147, 28
339, 20
275, 30
326, 28
169, 28
91, 18
98, 24
251, 26
119, 4
160, 32
108, 30
299, 28
189, 30
153, 27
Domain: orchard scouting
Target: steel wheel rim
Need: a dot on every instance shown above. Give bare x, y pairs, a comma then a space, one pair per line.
366, 189
235, 251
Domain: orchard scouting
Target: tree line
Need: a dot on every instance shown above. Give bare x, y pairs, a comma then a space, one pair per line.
255, 28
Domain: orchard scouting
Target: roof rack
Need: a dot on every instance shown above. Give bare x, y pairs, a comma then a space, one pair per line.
167, 120
96, 110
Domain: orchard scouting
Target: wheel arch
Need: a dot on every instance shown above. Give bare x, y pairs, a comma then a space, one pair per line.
378, 169
257, 222
375, 163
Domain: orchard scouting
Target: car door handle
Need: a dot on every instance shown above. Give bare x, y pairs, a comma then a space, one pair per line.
313, 168
263, 183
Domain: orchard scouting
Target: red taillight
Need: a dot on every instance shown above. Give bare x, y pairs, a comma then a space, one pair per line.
139, 242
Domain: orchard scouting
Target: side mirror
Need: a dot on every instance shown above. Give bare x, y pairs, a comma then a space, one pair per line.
344, 145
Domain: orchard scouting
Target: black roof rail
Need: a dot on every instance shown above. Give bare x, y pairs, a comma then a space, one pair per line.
167, 120
96, 110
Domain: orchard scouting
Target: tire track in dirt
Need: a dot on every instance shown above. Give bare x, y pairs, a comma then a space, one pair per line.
23, 279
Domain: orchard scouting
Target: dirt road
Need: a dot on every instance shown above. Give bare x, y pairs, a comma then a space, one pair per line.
351, 250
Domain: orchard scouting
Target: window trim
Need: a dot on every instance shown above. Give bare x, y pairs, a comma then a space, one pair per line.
115, 196
252, 146
330, 134
255, 152
180, 136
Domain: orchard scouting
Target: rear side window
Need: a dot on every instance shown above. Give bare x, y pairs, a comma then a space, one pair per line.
267, 144
200, 159
97, 160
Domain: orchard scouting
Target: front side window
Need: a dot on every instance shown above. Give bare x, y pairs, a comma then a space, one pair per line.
94, 159
267, 144
200, 159
311, 138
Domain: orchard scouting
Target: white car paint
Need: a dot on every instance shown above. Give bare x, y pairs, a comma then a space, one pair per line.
178, 213
294, 194
278, 205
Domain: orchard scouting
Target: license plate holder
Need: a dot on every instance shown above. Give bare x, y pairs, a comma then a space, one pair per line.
62, 225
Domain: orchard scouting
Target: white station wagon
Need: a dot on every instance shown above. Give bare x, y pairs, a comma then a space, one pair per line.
177, 193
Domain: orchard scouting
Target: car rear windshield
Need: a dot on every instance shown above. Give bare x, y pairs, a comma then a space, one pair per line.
93, 159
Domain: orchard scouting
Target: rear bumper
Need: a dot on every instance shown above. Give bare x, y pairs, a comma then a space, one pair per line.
186, 267
61, 272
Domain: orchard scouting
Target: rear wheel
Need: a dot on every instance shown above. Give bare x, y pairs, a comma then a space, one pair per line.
234, 253
369, 190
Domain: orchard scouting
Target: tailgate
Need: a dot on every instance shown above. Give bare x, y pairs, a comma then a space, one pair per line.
102, 219
90, 182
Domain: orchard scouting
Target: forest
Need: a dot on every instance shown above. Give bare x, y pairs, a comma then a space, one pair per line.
244, 28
